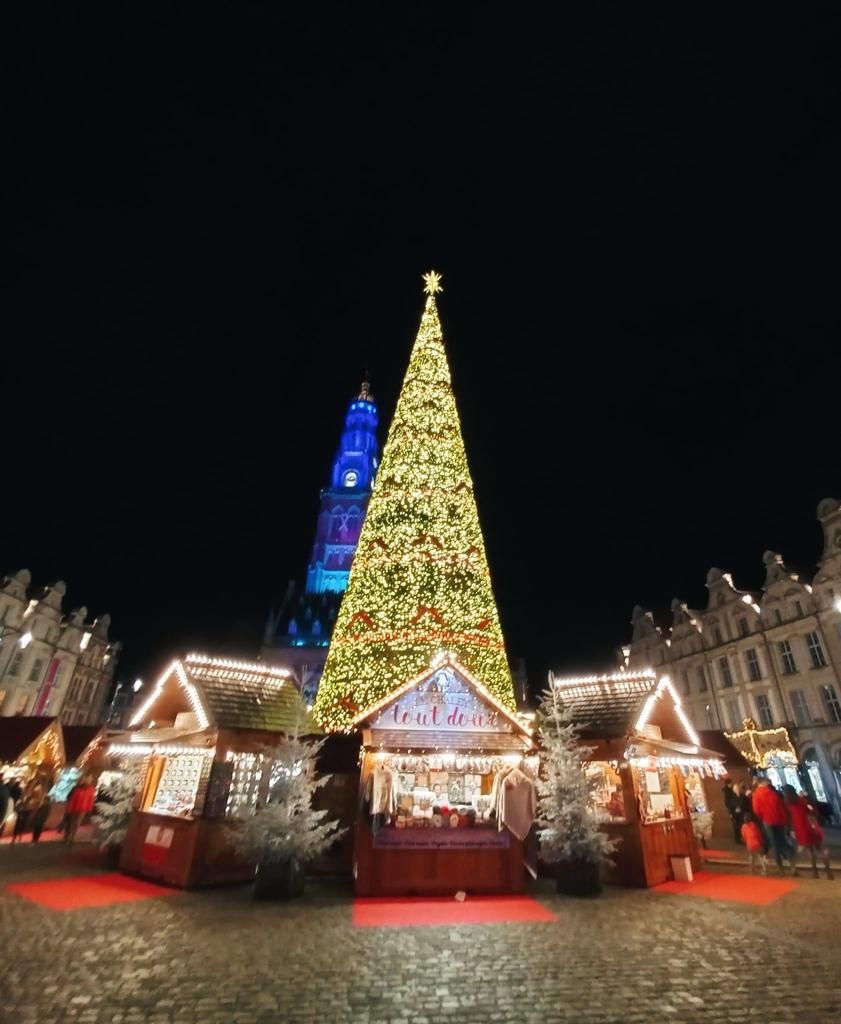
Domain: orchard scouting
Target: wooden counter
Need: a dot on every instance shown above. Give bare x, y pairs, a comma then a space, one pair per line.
184, 852
395, 871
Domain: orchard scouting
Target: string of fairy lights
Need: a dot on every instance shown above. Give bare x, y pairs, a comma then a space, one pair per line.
421, 550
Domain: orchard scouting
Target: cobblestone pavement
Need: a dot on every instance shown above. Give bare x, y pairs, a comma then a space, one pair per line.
220, 957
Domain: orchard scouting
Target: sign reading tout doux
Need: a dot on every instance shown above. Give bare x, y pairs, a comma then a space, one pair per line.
444, 702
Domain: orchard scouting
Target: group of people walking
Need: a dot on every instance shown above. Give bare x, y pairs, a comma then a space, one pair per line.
784, 823
31, 805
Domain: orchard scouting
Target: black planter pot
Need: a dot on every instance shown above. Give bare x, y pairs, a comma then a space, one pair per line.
578, 878
112, 856
279, 880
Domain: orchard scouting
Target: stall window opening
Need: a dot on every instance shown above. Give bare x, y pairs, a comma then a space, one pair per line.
606, 793
656, 794
178, 778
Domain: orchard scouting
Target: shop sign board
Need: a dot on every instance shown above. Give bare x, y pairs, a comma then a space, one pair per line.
156, 844
442, 839
442, 703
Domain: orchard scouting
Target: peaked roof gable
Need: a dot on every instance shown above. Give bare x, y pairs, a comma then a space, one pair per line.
623, 703
229, 694
21, 734
443, 687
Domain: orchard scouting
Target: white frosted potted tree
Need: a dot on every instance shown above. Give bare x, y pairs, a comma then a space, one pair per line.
570, 837
287, 832
112, 812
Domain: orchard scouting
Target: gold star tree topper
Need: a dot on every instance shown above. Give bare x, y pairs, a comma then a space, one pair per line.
432, 283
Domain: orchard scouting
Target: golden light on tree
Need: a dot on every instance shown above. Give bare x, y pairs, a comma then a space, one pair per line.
420, 581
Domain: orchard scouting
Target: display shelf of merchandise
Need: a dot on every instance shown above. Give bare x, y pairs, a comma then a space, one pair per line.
178, 785
249, 782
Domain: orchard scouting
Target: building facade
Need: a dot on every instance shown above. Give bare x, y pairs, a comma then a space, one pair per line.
297, 635
51, 663
772, 656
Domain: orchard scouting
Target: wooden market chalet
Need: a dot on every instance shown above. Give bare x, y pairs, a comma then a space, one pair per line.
649, 769
437, 755
201, 742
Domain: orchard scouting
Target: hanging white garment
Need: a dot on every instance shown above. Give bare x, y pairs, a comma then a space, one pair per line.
384, 790
517, 803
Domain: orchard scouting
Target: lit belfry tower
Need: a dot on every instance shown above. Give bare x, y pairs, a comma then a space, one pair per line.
297, 634
419, 583
343, 503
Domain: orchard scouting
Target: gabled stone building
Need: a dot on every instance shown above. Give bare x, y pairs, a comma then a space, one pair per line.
51, 663
772, 656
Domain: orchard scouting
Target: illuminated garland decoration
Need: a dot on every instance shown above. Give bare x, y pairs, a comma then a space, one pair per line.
419, 581
763, 747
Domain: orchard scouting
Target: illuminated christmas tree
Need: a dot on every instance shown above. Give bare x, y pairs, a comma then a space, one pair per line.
419, 583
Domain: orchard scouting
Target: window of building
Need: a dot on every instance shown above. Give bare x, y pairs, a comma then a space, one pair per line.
744, 628
23, 700
710, 717
724, 670
831, 702
818, 658
717, 635
2, 699
799, 608
778, 616
687, 689
800, 707
752, 662
14, 667
702, 679
36, 670
763, 708
786, 653
734, 714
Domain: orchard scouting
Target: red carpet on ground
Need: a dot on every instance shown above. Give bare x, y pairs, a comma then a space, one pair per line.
50, 835
736, 888
88, 891
417, 911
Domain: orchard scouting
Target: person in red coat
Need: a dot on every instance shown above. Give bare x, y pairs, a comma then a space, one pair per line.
769, 807
79, 805
808, 834
755, 843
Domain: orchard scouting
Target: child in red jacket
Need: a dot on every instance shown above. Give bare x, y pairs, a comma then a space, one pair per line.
79, 806
754, 843
807, 832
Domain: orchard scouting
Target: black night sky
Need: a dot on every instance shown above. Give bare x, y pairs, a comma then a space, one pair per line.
218, 216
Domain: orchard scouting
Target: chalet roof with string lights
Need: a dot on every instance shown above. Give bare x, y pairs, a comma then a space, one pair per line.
605, 705
640, 709
443, 706
206, 692
31, 739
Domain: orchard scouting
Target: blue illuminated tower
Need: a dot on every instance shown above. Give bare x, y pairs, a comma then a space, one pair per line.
344, 501
297, 636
